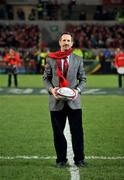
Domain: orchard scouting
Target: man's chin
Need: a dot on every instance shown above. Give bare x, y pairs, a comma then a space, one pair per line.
66, 48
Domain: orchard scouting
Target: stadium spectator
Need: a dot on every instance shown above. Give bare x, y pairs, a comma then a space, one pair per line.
40, 9
32, 14
101, 59
41, 60
10, 12
82, 15
97, 15
119, 64
20, 14
71, 7
13, 61
26, 60
54, 77
2, 12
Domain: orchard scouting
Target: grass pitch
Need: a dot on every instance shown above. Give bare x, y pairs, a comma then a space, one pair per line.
100, 81
25, 130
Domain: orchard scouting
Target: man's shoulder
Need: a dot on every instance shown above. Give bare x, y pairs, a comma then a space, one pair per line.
76, 56
49, 59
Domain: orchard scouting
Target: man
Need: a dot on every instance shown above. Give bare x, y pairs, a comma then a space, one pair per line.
119, 64
54, 77
13, 61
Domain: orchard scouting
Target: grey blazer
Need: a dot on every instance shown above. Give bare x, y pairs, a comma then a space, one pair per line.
75, 76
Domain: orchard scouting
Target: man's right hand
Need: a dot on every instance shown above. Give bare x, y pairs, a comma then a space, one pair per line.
54, 93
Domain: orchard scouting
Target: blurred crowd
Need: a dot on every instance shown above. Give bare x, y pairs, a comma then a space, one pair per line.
85, 35
94, 41
19, 36
56, 10
97, 36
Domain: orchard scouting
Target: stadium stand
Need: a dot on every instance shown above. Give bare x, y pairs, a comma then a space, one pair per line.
32, 26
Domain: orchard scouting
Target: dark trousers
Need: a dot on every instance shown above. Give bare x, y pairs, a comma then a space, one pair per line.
10, 79
12, 71
120, 76
58, 119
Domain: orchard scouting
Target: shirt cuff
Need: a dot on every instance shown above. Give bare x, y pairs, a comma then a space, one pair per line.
49, 90
79, 91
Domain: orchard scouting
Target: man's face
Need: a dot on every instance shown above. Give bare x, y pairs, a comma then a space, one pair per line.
65, 42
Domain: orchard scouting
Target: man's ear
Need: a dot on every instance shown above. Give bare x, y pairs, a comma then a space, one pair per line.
72, 44
59, 42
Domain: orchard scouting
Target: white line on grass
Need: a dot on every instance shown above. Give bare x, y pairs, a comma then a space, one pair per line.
27, 157
54, 157
105, 157
75, 175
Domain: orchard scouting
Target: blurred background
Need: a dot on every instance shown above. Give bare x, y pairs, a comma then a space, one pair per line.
32, 28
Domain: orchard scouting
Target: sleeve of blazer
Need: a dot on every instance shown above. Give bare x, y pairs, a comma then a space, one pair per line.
47, 77
81, 76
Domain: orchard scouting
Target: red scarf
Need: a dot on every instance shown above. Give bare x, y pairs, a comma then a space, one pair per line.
63, 82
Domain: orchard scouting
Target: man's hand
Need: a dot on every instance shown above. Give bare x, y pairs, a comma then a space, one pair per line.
76, 92
54, 93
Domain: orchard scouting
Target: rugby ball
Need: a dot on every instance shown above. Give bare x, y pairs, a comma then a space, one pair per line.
65, 93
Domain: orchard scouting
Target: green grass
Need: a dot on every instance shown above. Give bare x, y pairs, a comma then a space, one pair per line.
23, 80
25, 129
103, 170
31, 170
100, 81
103, 122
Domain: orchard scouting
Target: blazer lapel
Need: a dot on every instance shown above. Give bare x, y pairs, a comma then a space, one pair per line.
71, 65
